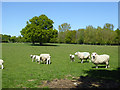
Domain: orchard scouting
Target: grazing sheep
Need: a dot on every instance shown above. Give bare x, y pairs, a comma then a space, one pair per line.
83, 55
45, 57
72, 57
33, 57
1, 63
100, 59
37, 58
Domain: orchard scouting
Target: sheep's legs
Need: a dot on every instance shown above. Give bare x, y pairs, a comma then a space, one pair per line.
73, 60
32, 59
107, 64
39, 62
81, 61
1, 66
47, 62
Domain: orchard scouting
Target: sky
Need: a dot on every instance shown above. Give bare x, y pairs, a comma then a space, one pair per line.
77, 14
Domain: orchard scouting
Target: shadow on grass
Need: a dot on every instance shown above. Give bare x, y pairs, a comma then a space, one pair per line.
100, 79
99, 67
83, 61
45, 44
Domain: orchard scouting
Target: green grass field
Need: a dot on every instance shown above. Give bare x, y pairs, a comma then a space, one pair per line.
19, 68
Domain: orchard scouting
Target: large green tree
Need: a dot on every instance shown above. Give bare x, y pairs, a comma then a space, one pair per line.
38, 29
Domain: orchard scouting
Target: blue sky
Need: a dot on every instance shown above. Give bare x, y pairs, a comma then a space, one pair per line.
77, 14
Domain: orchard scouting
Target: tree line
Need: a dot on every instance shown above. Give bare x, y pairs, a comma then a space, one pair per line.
40, 30
89, 35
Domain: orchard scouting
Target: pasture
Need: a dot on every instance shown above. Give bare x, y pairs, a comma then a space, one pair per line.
19, 70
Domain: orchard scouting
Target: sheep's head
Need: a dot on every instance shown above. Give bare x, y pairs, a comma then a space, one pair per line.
76, 53
70, 54
31, 56
93, 55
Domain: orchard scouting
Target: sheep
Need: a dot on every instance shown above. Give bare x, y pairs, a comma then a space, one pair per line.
45, 57
1, 63
83, 55
35, 57
100, 59
72, 57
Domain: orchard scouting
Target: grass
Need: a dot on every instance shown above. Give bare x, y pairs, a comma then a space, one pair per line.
19, 70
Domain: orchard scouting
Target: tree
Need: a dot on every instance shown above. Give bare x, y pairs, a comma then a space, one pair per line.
90, 35
108, 34
54, 36
80, 36
38, 29
108, 26
63, 28
5, 38
68, 36
20, 39
13, 39
117, 40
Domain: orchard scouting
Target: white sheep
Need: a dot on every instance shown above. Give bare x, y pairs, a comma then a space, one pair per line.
33, 57
37, 58
100, 59
1, 63
45, 57
83, 55
72, 57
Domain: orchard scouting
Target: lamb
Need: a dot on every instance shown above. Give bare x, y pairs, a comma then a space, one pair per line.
100, 59
45, 57
1, 63
35, 57
72, 57
83, 55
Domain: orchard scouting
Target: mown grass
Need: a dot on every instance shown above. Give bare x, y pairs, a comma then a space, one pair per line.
19, 68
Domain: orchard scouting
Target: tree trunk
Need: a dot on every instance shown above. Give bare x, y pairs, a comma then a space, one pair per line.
40, 43
33, 42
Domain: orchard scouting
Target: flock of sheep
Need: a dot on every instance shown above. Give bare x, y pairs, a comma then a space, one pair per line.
95, 58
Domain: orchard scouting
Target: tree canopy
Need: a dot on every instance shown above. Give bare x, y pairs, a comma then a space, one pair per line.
38, 29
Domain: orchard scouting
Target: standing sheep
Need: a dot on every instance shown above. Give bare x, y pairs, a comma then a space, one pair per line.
1, 63
100, 59
83, 55
72, 57
45, 57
